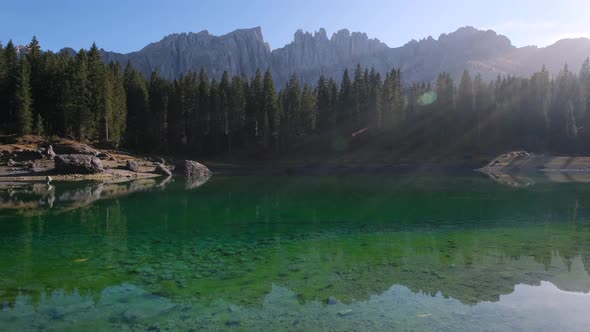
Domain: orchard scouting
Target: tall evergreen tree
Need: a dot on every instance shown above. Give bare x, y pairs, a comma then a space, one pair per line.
38, 85
255, 105
100, 100
9, 86
158, 100
375, 94
324, 118
137, 104
271, 111
3, 90
23, 100
345, 99
291, 111
308, 117
237, 104
118, 115
80, 121
466, 98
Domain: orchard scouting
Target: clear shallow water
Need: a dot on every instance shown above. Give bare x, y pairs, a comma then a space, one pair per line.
296, 253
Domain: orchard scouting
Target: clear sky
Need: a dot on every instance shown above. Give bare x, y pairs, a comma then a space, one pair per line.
128, 25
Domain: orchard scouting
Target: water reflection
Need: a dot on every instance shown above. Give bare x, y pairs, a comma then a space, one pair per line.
120, 307
273, 252
523, 180
37, 198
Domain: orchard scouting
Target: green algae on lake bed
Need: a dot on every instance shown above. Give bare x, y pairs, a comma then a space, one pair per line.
406, 253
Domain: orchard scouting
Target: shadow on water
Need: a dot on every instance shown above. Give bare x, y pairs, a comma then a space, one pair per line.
354, 252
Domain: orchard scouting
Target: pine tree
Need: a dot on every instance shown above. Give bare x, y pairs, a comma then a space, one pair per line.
137, 105
204, 115
3, 88
225, 115
375, 94
466, 99
345, 99
445, 107
481, 104
271, 111
359, 91
392, 100
323, 105
100, 100
291, 111
239, 87
23, 100
334, 103
39, 127
213, 119
465, 114
584, 78
38, 84
158, 101
13, 73
175, 117
77, 99
57, 71
308, 110
118, 115
255, 115
189, 99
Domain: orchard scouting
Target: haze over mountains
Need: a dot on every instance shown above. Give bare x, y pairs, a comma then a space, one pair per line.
310, 55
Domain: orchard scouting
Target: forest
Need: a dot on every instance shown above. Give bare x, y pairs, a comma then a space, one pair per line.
79, 96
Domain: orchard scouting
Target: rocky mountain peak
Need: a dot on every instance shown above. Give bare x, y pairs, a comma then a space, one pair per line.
310, 55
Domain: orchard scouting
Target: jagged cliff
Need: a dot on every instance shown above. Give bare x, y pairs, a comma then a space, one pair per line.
310, 55
242, 51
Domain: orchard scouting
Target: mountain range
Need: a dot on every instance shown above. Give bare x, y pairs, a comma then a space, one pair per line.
310, 55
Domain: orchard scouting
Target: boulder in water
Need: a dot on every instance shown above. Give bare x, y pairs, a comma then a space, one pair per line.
193, 169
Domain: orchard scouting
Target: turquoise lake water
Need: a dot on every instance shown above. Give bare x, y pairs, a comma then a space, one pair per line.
296, 253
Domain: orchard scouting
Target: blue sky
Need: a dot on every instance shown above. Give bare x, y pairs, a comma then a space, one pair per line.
125, 26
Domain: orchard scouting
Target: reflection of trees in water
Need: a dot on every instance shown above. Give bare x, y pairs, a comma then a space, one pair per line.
468, 265
471, 241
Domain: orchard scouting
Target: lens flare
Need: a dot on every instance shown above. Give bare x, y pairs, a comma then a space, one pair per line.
428, 98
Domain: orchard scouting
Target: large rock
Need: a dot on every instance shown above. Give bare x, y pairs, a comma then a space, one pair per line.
78, 164
133, 166
74, 148
50, 153
193, 169
514, 161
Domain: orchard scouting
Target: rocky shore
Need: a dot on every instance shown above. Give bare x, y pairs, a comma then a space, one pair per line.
36, 159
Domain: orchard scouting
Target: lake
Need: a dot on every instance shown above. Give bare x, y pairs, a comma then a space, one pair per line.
297, 253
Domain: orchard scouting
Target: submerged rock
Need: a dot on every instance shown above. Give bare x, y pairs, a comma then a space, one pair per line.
147, 308
78, 164
344, 312
331, 301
